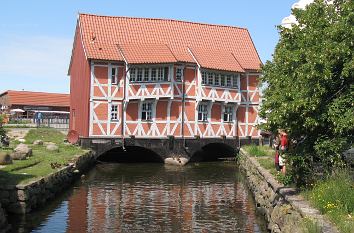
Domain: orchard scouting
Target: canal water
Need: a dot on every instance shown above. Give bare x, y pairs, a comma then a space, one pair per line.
151, 197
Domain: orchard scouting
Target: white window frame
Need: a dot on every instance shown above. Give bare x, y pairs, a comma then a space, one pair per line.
143, 74
132, 74
114, 112
153, 74
210, 79
228, 113
220, 79
149, 112
235, 81
228, 81
179, 74
146, 71
114, 77
217, 80
139, 74
203, 110
204, 77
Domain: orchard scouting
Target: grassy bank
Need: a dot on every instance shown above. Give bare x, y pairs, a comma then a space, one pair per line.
39, 165
333, 196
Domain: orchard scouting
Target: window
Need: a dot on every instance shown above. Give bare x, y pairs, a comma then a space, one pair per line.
114, 112
179, 74
146, 74
228, 113
204, 77
146, 111
132, 74
165, 77
235, 81
149, 74
160, 74
203, 112
222, 80
217, 80
210, 78
153, 74
114, 75
139, 76
228, 80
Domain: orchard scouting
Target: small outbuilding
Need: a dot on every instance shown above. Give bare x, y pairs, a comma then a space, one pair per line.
24, 104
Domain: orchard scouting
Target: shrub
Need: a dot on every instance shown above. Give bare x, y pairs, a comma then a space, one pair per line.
310, 84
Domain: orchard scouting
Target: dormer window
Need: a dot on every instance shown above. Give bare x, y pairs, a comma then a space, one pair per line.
221, 79
149, 74
179, 74
114, 75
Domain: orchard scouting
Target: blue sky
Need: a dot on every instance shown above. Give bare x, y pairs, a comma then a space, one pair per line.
36, 35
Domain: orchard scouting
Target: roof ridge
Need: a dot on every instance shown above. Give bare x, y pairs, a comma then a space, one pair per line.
36, 92
164, 19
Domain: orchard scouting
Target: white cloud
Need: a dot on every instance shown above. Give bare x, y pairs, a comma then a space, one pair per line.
40, 59
288, 21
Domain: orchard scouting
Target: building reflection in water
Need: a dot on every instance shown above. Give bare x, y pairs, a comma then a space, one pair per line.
165, 204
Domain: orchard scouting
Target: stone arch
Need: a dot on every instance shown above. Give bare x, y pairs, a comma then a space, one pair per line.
213, 152
129, 154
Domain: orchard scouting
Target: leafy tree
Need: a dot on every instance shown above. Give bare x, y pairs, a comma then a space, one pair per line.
310, 81
2, 130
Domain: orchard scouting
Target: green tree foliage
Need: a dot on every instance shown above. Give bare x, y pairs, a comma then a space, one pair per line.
310, 90
2, 130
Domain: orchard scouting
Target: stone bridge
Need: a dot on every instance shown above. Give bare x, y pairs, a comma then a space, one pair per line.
191, 149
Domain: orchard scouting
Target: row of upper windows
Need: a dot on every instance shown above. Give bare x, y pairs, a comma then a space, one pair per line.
220, 79
162, 74
148, 74
147, 112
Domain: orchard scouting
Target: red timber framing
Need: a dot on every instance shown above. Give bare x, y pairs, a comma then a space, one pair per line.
162, 87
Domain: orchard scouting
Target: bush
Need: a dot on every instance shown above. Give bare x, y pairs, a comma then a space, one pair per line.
310, 85
2, 130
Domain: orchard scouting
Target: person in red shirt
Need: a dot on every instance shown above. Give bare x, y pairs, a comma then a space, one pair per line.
283, 148
276, 145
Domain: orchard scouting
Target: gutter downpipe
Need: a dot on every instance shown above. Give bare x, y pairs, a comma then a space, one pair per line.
183, 110
124, 97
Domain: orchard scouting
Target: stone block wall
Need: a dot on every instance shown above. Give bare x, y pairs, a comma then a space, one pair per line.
21, 199
283, 208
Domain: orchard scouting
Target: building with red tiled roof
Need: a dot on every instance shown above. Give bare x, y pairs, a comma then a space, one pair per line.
155, 78
30, 101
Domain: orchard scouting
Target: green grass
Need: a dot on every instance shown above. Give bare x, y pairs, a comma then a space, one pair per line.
310, 226
258, 151
334, 197
38, 165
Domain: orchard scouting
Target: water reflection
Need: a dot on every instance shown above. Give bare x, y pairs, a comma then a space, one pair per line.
205, 197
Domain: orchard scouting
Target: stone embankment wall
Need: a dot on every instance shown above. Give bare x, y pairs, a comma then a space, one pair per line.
4, 227
22, 199
283, 208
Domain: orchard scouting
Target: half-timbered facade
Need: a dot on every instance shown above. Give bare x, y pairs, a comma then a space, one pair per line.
155, 78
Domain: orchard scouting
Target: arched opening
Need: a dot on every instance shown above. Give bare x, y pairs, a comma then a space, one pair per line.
131, 154
213, 152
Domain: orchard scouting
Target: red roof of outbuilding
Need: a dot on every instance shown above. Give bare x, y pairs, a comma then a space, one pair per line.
101, 34
31, 98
